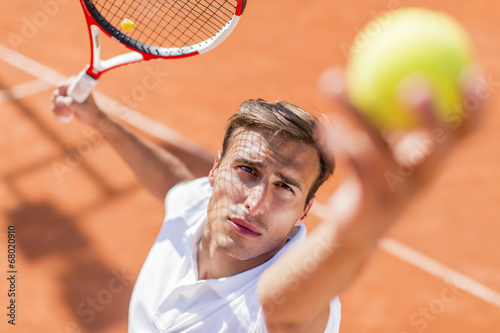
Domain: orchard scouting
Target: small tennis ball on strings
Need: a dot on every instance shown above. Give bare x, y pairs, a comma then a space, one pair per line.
412, 42
128, 25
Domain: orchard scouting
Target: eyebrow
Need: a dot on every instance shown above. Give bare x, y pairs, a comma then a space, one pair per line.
282, 176
289, 180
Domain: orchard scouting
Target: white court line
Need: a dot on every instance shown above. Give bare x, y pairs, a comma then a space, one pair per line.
440, 271
176, 139
130, 116
23, 90
30, 66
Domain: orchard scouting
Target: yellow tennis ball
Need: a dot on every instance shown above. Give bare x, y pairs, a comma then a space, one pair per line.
408, 42
128, 25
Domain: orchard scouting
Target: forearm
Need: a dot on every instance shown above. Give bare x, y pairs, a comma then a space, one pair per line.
156, 168
300, 285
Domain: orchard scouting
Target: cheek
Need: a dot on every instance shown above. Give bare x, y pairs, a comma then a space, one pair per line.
289, 212
281, 221
227, 189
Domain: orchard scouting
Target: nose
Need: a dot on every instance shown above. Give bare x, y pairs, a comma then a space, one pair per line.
255, 201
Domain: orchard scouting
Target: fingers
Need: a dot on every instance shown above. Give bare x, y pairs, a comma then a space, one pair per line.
412, 155
355, 146
352, 137
332, 83
472, 85
62, 87
66, 108
62, 104
429, 144
62, 107
416, 94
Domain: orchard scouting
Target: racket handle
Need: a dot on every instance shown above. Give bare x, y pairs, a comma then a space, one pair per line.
79, 89
81, 86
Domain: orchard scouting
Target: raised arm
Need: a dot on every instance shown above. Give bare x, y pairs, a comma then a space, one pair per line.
157, 169
295, 291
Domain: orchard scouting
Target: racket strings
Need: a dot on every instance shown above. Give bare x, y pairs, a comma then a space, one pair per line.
168, 23
203, 29
194, 28
197, 21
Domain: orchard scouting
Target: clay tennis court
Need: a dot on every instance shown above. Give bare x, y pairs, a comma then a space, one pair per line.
83, 225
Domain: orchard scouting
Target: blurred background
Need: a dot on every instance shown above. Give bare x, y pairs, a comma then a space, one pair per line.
83, 225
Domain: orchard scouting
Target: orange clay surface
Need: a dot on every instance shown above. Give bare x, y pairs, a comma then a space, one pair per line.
82, 236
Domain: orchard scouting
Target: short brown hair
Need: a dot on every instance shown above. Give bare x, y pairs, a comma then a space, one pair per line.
285, 120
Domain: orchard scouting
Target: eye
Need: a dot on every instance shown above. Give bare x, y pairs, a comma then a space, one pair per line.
247, 169
285, 186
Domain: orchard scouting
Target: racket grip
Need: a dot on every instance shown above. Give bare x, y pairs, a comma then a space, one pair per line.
81, 86
79, 89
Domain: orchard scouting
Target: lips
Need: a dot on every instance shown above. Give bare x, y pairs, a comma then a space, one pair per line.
244, 228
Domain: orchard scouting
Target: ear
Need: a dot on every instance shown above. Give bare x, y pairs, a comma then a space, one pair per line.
211, 175
306, 211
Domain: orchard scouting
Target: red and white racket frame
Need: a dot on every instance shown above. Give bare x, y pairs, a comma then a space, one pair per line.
82, 85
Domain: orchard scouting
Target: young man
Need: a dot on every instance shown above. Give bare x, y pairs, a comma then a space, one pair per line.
232, 254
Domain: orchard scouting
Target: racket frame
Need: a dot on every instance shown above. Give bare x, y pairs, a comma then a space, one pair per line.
81, 86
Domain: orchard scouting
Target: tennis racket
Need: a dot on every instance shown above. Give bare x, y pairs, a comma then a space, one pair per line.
152, 29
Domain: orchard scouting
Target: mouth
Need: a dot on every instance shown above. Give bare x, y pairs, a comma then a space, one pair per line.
244, 228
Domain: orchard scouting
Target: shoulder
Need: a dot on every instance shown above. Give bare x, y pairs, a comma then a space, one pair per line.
188, 194
198, 184
186, 205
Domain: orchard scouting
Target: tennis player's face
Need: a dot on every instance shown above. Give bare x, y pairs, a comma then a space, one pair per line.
260, 190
